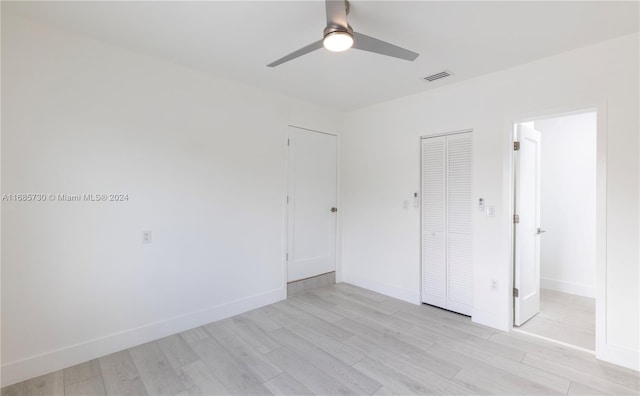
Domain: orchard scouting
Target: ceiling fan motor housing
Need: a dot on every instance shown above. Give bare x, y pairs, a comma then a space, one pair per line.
335, 29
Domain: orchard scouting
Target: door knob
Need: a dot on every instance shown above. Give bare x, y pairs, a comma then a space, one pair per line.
333, 210
541, 231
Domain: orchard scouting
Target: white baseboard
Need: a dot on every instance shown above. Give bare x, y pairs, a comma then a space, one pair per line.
618, 355
578, 289
411, 296
34, 366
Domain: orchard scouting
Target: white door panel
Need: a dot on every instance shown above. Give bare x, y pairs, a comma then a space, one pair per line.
527, 239
459, 223
460, 273
312, 194
434, 269
434, 258
447, 270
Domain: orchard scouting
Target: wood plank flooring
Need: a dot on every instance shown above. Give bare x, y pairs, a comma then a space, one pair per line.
565, 317
340, 340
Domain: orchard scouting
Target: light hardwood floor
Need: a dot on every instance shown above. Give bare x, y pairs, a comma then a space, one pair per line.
301, 286
565, 317
340, 340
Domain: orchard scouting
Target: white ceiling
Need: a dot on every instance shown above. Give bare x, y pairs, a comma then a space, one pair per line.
237, 39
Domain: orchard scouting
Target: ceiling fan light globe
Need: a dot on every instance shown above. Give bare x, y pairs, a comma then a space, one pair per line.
338, 41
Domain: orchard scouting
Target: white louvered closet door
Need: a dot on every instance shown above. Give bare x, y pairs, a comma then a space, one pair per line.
447, 222
434, 265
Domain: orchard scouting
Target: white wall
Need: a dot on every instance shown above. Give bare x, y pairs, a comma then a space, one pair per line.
381, 164
203, 160
568, 203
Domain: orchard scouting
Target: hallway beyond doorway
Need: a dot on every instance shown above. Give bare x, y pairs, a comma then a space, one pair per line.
566, 318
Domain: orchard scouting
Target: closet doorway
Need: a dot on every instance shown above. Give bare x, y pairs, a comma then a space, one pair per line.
447, 221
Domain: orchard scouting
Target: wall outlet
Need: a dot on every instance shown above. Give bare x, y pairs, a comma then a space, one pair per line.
494, 284
146, 237
405, 204
491, 211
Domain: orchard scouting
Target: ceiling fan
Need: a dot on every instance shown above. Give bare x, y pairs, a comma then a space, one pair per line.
339, 36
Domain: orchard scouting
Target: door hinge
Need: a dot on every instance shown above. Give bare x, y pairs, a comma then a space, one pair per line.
287, 256
516, 292
287, 199
516, 146
516, 219
288, 142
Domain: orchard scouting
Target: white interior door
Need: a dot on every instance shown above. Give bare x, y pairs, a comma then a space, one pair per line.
434, 221
526, 230
460, 223
447, 222
311, 204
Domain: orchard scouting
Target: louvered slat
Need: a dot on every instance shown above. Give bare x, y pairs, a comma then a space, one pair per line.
459, 184
459, 273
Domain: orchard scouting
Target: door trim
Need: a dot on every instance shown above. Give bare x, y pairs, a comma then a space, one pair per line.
285, 218
446, 134
601, 346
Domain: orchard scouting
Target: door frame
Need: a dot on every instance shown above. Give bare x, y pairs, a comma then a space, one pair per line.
285, 205
600, 108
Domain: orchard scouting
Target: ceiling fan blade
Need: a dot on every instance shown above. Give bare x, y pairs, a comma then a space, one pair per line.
367, 43
337, 13
302, 51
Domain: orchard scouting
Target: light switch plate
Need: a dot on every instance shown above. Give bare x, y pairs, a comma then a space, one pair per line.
491, 211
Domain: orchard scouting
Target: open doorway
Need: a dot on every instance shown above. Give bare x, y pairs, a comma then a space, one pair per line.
555, 167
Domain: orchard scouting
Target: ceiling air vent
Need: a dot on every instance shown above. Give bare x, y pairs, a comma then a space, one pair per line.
438, 76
